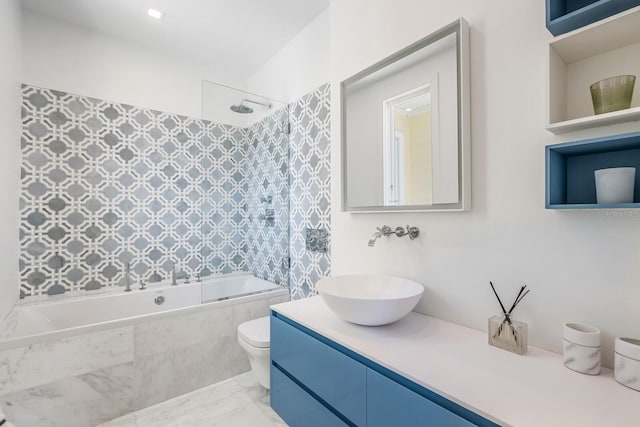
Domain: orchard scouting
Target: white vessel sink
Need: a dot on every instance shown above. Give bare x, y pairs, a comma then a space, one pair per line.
370, 300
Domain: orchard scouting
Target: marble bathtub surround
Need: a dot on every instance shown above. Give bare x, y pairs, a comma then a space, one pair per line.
581, 350
91, 378
49, 361
85, 400
627, 362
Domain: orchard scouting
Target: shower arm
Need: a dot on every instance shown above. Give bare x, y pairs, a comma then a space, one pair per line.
264, 104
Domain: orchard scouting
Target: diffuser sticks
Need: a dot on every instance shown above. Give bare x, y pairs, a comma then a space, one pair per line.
504, 332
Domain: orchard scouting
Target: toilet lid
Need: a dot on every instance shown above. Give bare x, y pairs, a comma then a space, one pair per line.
256, 332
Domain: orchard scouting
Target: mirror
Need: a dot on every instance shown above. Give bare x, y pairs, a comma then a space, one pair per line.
405, 128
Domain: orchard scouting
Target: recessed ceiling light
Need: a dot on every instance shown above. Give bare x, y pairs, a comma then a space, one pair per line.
408, 109
155, 14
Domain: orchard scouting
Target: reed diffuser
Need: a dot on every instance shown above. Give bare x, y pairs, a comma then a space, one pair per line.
506, 333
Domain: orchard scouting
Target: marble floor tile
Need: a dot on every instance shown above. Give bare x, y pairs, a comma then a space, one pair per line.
239, 401
260, 396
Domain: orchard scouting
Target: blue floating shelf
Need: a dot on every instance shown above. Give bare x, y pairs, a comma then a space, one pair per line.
567, 15
570, 182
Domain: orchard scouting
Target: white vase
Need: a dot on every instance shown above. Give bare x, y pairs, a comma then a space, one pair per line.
627, 362
582, 348
615, 185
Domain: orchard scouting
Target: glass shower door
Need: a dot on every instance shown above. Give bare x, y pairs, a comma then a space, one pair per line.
245, 207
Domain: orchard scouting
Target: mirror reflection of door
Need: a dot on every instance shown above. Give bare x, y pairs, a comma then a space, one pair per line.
407, 147
396, 185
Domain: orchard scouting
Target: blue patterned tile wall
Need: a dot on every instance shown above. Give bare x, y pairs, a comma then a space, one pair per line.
105, 184
310, 189
268, 179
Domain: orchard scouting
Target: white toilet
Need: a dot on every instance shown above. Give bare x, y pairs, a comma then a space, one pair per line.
254, 337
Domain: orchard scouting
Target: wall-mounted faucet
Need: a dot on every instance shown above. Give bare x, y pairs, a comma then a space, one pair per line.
412, 232
384, 231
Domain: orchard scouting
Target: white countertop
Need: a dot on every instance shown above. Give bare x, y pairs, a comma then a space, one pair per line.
456, 362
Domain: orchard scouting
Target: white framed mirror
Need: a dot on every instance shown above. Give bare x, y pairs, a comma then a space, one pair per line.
405, 128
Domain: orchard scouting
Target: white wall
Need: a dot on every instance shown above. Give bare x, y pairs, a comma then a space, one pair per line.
10, 143
71, 59
581, 266
299, 67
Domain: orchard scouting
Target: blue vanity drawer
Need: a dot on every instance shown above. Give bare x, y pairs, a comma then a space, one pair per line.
296, 407
391, 404
334, 377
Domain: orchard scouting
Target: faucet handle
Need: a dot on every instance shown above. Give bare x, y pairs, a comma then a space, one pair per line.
385, 230
400, 231
143, 285
413, 232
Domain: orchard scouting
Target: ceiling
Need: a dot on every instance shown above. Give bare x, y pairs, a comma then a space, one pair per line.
238, 34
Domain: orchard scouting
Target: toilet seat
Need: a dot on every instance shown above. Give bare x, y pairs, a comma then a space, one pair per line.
256, 332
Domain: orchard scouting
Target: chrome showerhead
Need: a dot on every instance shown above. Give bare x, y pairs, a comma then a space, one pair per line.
243, 109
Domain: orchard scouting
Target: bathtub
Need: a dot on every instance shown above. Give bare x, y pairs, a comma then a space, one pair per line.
70, 315
66, 358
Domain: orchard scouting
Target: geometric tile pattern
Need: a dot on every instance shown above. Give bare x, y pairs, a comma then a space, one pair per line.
106, 184
309, 189
267, 235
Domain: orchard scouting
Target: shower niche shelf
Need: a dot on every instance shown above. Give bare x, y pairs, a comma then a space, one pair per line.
578, 59
570, 182
567, 15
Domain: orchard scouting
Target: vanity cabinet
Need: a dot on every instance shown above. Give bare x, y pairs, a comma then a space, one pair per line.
317, 382
332, 377
391, 404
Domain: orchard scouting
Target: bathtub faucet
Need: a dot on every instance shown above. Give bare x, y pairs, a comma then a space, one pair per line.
127, 278
174, 282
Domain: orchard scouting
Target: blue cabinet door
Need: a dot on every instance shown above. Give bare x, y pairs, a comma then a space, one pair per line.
391, 404
296, 407
334, 377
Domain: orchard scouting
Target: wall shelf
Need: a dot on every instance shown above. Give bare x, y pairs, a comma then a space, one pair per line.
577, 59
631, 114
563, 16
570, 182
